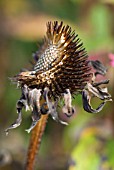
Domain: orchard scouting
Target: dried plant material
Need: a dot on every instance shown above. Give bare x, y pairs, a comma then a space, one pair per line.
86, 103
67, 108
52, 106
61, 69
99, 67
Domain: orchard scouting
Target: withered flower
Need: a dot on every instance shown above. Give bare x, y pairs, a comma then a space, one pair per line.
61, 70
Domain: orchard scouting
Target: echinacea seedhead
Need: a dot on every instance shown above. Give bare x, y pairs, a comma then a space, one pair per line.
61, 70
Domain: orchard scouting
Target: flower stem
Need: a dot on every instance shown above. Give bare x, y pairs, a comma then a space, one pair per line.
35, 141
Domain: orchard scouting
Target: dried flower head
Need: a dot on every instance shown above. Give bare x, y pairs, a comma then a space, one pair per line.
61, 70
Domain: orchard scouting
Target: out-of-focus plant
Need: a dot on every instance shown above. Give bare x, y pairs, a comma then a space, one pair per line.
93, 150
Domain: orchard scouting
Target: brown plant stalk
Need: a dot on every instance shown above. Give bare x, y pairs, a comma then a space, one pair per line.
35, 140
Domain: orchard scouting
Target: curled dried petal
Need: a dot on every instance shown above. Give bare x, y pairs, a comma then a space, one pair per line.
52, 106
67, 108
19, 118
34, 122
101, 93
34, 100
99, 67
86, 103
95, 84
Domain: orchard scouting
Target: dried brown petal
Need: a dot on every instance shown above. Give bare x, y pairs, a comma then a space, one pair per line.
34, 101
86, 103
102, 82
52, 106
67, 108
101, 93
99, 67
18, 120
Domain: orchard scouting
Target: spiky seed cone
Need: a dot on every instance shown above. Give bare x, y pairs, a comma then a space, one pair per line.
61, 62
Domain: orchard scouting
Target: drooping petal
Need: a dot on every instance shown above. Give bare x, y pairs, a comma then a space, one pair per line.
34, 101
19, 118
67, 108
86, 103
99, 67
102, 82
52, 106
101, 93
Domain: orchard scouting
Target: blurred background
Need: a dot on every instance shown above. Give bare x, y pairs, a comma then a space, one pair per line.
88, 142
